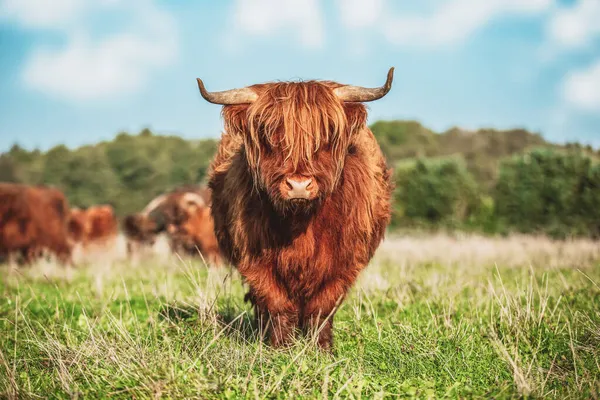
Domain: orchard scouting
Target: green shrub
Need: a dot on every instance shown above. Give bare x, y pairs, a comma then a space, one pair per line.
438, 192
548, 191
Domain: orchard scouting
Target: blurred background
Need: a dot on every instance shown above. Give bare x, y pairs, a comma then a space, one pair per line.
492, 125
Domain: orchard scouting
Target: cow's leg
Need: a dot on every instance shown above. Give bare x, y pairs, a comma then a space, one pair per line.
273, 305
64, 257
62, 253
319, 311
29, 255
283, 325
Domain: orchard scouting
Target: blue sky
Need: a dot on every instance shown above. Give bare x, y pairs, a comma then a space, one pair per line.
80, 71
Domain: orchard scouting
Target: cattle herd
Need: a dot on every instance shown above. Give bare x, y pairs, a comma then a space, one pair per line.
298, 200
36, 222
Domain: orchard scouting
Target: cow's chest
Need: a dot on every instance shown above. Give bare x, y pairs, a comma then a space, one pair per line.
301, 266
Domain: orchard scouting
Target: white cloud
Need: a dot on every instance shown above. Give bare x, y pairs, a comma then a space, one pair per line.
41, 13
88, 67
452, 21
575, 26
582, 88
266, 17
360, 13
447, 22
573, 29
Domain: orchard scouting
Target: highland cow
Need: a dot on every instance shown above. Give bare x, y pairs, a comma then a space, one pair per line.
33, 221
194, 233
300, 197
184, 214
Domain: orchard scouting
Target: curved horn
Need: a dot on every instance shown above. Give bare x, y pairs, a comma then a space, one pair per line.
361, 94
227, 97
154, 204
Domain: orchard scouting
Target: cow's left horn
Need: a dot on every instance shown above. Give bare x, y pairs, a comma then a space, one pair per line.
362, 94
227, 97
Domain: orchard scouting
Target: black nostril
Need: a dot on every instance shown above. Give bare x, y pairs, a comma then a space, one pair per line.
290, 184
309, 184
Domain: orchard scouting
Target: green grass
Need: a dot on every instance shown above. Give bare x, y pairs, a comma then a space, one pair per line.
430, 318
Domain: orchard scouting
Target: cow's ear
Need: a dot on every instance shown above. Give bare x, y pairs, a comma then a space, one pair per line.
236, 119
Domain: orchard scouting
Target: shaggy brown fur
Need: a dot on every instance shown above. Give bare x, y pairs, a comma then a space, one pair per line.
299, 257
95, 226
33, 219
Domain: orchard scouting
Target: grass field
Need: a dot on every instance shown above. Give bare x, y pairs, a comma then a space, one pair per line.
431, 317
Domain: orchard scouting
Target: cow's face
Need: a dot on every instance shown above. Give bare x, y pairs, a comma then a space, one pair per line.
296, 138
180, 236
296, 187
187, 232
139, 227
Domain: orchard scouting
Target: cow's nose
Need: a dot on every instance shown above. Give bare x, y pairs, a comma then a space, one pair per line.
299, 188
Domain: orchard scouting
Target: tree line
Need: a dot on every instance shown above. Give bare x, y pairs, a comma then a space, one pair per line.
486, 180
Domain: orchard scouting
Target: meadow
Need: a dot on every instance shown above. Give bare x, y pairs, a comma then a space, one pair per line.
433, 316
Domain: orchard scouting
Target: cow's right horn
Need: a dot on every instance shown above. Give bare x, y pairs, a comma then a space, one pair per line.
361, 94
155, 203
227, 97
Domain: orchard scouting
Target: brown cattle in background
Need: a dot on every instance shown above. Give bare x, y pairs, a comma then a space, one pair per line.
94, 227
195, 233
183, 215
33, 220
300, 197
